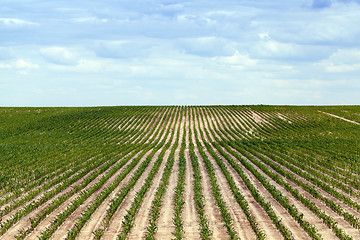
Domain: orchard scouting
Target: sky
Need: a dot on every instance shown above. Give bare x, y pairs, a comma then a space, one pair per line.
171, 52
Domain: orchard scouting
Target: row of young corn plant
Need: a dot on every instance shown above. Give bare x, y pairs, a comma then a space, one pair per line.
47, 196
88, 212
315, 177
205, 232
291, 209
139, 196
330, 222
238, 196
179, 191
82, 195
353, 220
254, 192
157, 202
322, 164
75, 190
115, 203
327, 172
49, 174
56, 180
62, 216
318, 175
79, 189
226, 217
350, 218
256, 195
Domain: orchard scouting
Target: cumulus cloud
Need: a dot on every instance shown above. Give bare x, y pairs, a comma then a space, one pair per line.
59, 55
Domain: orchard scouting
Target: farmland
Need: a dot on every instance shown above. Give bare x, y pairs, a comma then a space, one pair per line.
180, 172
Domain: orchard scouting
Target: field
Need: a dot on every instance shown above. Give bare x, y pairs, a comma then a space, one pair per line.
176, 172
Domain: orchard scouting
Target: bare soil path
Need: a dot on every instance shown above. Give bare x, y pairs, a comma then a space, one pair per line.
342, 118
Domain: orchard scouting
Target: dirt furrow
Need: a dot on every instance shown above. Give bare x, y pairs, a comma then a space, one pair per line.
165, 222
191, 220
142, 217
211, 209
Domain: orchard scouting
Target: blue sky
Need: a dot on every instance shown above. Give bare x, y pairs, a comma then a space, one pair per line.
170, 52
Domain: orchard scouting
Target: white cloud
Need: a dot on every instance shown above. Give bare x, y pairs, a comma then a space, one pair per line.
343, 60
5, 65
239, 60
19, 64
15, 22
59, 55
91, 20
24, 64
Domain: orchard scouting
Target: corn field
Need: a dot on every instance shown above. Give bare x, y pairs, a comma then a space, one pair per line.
180, 172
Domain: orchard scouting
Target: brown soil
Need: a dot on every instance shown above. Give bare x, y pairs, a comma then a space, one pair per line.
191, 220
165, 222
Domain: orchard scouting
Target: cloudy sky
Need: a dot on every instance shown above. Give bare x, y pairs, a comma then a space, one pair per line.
172, 52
